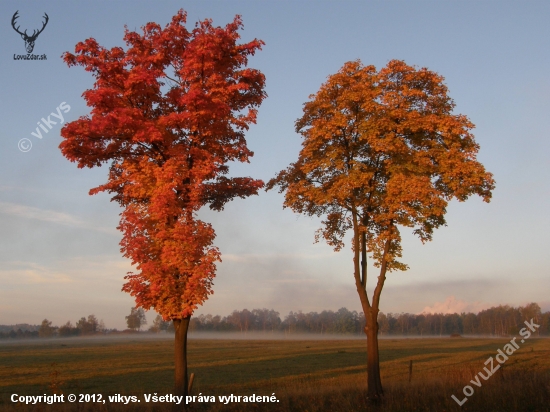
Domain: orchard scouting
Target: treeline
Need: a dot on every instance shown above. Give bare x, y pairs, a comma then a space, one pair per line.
19, 331
83, 327
265, 320
502, 320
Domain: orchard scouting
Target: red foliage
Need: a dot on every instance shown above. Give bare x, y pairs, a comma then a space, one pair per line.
168, 113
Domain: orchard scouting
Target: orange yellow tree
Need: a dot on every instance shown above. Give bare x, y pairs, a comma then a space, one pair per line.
168, 113
381, 150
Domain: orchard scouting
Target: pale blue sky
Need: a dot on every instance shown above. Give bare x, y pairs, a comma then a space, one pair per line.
59, 253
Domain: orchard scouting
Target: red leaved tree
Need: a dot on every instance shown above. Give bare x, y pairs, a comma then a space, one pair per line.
381, 150
168, 113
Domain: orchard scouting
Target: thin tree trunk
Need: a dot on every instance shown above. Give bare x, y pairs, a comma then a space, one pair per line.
181, 327
374, 389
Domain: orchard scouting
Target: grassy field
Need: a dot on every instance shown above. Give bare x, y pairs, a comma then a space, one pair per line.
305, 375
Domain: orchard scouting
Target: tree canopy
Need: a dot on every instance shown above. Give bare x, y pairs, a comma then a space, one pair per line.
168, 113
383, 146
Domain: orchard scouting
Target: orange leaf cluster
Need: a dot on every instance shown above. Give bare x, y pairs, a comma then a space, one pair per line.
382, 149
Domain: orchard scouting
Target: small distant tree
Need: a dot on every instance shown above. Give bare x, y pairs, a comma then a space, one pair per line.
46, 329
136, 319
532, 311
82, 325
93, 324
87, 326
159, 325
68, 330
383, 323
154, 328
101, 326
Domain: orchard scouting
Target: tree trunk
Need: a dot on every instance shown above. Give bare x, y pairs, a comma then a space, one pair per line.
374, 383
374, 390
181, 326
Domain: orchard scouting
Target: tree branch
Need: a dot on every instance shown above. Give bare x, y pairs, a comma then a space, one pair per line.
383, 269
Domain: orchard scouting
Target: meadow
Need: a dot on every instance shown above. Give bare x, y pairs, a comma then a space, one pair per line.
305, 375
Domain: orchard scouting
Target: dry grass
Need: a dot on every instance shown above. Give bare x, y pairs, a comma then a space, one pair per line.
304, 375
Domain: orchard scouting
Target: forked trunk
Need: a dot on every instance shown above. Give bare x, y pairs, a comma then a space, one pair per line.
374, 389
181, 326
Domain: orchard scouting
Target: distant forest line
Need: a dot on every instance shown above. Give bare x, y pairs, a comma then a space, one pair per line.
502, 320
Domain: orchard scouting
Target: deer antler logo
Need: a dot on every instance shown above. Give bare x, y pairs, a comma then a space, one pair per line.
29, 40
